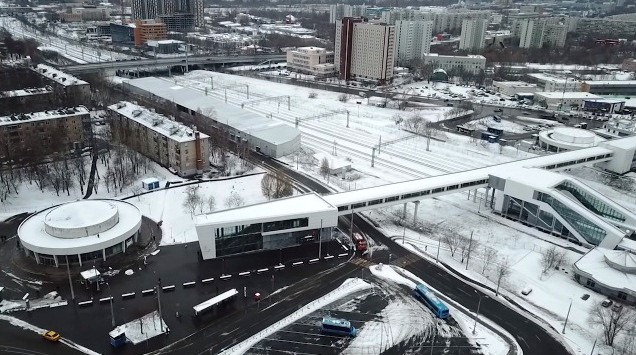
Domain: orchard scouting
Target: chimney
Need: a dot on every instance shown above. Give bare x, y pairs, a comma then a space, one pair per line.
197, 149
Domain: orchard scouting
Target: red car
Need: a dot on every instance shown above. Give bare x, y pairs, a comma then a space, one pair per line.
359, 242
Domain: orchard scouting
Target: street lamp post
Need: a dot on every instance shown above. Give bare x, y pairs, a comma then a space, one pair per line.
477, 314
112, 310
567, 316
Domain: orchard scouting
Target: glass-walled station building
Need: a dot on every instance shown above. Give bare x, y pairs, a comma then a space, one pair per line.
562, 206
270, 225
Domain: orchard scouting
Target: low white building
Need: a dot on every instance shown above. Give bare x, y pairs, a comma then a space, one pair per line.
311, 60
624, 155
609, 272
563, 100
547, 82
563, 139
452, 63
80, 231
512, 88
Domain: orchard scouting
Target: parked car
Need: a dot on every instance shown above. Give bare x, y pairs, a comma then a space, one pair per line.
617, 307
51, 335
526, 291
585, 296
498, 110
606, 303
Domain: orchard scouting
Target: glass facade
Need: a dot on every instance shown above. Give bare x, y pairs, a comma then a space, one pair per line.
238, 239
592, 233
530, 214
591, 202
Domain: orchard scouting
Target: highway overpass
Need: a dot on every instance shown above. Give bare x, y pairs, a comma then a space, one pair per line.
168, 62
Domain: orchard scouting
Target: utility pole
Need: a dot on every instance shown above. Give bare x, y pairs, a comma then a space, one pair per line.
351, 231
439, 244
159, 303
112, 311
566, 317
477, 314
70, 281
470, 244
320, 241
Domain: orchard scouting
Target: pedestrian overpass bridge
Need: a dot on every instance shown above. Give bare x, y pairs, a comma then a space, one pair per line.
298, 214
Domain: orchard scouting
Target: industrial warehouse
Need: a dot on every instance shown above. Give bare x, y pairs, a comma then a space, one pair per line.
261, 134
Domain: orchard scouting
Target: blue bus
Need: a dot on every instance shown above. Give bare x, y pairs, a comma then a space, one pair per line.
431, 301
338, 327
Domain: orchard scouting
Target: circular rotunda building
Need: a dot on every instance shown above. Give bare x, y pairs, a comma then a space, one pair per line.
562, 139
80, 231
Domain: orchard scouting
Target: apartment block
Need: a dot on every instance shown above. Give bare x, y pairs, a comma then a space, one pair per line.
67, 83
364, 50
311, 60
178, 15
442, 20
339, 11
531, 33
452, 63
167, 142
473, 34
43, 132
149, 30
413, 39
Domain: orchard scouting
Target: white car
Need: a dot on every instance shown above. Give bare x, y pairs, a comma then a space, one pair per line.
526, 291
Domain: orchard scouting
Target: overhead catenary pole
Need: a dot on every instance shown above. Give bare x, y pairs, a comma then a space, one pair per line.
566, 317
159, 303
320, 241
70, 281
470, 244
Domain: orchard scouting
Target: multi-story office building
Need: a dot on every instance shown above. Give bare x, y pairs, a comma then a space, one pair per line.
178, 15
167, 142
554, 34
473, 34
364, 50
47, 132
413, 39
452, 63
86, 13
149, 30
122, 33
311, 60
339, 11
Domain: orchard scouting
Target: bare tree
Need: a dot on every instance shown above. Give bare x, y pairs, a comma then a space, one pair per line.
627, 345
276, 185
343, 97
211, 201
466, 246
136, 191
489, 256
452, 239
502, 271
324, 167
193, 199
234, 200
613, 321
312, 95
552, 257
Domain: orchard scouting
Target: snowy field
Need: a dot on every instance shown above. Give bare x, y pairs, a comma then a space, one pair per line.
178, 222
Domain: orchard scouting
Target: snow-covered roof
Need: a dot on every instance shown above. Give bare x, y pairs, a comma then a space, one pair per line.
240, 119
25, 92
621, 260
215, 300
268, 211
58, 76
157, 122
89, 274
551, 78
44, 115
149, 181
566, 95
34, 236
594, 265
623, 143
570, 138
611, 82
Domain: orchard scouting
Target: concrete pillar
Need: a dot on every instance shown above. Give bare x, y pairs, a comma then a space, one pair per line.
486, 196
492, 197
123, 246
79, 258
37, 257
104, 254
404, 211
417, 205
475, 195
26, 251
57, 264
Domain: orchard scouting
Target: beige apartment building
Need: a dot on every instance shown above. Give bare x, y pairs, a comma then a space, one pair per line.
311, 60
42, 133
167, 142
364, 50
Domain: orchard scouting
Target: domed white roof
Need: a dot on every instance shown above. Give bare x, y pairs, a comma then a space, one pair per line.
621, 260
439, 70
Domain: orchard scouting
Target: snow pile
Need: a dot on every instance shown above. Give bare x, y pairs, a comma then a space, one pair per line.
141, 329
348, 287
50, 300
387, 273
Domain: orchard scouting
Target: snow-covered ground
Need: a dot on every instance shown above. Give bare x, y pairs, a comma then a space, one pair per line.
489, 122
178, 223
143, 328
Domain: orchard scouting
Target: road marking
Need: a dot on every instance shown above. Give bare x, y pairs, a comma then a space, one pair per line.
245, 273
230, 332
188, 284
225, 277
85, 303
205, 281
148, 292
105, 299
278, 267
128, 295
298, 263
168, 288
313, 261
328, 257
262, 270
